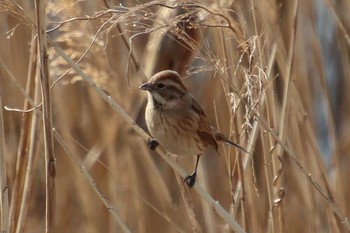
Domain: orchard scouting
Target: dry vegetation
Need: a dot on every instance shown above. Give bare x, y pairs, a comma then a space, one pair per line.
271, 74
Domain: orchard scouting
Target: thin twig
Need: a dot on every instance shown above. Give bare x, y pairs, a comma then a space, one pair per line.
308, 175
35, 140
21, 158
4, 192
93, 184
47, 117
23, 208
127, 44
196, 227
84, 53
283, 118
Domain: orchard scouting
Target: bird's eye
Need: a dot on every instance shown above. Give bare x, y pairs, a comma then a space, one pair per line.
160, 85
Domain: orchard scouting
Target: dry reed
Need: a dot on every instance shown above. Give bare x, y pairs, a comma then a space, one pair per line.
260, 71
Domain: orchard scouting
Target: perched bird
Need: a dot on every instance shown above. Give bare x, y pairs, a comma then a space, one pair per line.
176, 120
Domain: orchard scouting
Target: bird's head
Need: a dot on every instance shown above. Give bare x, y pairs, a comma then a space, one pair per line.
166, 89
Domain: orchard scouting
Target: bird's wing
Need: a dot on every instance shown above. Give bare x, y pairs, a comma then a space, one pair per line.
205, 131
208, 133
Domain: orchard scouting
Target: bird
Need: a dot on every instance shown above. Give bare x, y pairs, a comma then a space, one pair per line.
177, 122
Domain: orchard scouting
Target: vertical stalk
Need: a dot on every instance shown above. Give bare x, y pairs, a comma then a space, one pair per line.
22, 160
4, 205
33, 89
47, 117
284, 113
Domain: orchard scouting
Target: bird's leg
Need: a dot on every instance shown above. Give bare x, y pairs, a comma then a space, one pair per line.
152, 143
191, 179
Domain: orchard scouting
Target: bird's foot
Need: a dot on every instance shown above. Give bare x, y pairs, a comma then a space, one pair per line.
152, 144
190, 180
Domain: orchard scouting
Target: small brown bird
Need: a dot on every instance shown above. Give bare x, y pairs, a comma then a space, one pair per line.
176, 120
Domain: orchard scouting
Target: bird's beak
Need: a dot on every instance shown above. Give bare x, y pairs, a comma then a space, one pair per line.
146, 87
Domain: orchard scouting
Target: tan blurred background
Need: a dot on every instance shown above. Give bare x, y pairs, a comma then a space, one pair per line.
273, 75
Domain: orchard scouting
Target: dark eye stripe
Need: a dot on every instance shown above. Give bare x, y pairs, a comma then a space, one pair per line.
176, 90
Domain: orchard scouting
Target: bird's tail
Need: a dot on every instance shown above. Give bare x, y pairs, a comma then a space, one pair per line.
222, 138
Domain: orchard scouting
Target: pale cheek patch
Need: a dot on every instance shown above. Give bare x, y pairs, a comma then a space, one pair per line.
158, 98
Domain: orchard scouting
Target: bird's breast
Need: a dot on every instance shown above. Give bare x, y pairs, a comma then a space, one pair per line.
176, 132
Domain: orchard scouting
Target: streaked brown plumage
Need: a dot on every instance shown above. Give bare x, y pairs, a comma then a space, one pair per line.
176, 120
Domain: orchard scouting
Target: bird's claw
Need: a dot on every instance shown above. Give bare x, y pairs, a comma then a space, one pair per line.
190, 180
152, 144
